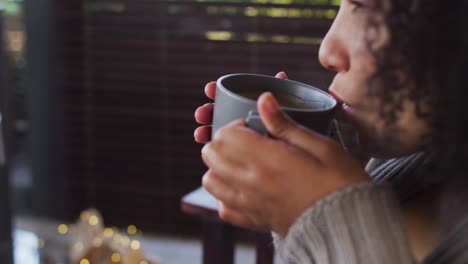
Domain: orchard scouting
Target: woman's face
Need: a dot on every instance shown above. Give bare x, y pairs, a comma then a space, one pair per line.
345, 50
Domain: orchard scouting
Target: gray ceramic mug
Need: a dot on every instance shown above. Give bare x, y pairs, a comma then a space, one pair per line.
235, 99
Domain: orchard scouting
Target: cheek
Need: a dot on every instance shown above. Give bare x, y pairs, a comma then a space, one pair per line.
413, 129
353, 86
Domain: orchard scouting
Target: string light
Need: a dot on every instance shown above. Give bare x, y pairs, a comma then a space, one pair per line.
135, 245
131, 230
115, 257
93, 220
62, 229
108, 232
99, 235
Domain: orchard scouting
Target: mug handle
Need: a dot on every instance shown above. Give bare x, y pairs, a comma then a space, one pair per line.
254, 122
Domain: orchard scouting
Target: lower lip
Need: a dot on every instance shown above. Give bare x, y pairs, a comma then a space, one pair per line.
344, 107
338, 99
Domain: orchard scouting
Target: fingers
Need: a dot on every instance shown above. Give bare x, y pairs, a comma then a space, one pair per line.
230, 152
204, 114
220, 189
235, 140
210, 90
202, 134
224, 163
281, 75
233, 215
280, 126
232, 207
217, 187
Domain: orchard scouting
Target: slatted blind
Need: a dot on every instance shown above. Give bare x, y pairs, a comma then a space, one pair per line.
134, 72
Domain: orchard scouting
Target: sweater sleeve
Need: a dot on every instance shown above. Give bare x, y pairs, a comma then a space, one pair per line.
360, 224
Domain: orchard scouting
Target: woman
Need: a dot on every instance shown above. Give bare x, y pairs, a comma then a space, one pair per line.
400, 74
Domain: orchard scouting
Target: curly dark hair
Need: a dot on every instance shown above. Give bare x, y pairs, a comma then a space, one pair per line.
425, 59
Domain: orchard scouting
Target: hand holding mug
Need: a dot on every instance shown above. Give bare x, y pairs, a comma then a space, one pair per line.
267, 182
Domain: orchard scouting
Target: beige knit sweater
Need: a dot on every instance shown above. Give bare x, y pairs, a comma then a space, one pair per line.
364, 223
361, 224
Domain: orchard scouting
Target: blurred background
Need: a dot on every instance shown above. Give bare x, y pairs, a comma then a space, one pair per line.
97, 101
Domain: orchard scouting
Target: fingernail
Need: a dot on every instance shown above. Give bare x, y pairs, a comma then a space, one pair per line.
271, 104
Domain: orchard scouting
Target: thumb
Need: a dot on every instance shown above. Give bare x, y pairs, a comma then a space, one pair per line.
281, 126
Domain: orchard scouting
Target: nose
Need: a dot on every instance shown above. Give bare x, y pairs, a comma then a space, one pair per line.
333, 54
